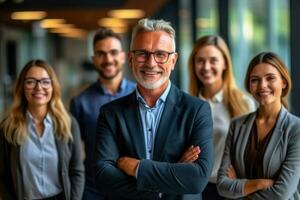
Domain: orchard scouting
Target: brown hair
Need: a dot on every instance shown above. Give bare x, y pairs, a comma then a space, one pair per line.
233, 97
274, 60
104, 33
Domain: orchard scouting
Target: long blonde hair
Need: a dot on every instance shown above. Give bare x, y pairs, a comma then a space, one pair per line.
274, 60
233, 97
14, 124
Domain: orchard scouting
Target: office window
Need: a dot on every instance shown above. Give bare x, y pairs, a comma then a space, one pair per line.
257, 26
206, 17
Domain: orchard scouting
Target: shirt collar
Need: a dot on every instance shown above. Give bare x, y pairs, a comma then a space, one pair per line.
217, 98
31, 118
121, 87
162, 98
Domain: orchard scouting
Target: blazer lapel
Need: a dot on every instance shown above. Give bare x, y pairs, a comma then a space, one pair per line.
135, 127
242, 138
169, 114
274, 140
17, 171
60, 147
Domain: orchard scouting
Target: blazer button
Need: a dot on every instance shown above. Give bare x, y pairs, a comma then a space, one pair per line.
160, 195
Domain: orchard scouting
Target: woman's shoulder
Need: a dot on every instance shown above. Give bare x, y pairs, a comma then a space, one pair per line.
244, 119
292, 120
249, 101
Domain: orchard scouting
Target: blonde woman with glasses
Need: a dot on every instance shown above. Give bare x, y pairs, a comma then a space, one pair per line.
40, 149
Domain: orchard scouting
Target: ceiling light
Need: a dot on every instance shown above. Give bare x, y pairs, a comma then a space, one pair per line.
28, 15
53, 23
68, 31
74, 33
127, 13
112, 22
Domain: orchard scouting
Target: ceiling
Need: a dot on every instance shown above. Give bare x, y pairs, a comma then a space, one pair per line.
84, 14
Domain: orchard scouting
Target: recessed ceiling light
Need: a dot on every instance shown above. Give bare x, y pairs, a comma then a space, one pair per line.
127, 13
53, 23
28, 15
112, 22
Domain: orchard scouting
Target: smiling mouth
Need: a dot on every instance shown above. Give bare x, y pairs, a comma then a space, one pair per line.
263, 94
206, 74
38, 95
108, 66
150, 73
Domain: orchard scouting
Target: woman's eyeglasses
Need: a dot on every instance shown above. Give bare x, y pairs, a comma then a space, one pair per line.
31, 83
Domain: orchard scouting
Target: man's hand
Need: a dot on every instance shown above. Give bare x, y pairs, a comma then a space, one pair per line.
128, 165
191, 154
231, 172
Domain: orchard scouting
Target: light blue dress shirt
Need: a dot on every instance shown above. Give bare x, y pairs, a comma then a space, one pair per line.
151, 118
39, 162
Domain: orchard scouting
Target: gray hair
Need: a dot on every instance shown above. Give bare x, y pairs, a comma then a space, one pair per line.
147, 25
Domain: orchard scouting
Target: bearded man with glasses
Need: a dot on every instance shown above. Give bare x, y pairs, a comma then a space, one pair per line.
157, 141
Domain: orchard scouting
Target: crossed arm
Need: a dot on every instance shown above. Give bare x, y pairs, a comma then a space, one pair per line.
251, 185
188, 176
283, 187
129, 165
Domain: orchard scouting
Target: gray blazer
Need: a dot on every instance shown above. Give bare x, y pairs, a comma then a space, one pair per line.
281, 161
71, 168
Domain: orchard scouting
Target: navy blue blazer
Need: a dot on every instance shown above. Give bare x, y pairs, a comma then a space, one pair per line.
185, 121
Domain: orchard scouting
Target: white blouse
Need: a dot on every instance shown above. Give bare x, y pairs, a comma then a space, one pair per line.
221, 121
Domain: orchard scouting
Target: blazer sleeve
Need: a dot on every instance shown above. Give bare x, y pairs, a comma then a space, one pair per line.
109, 179
75, 110
76, 168
182, 178
288, 180
229, 188
6, 187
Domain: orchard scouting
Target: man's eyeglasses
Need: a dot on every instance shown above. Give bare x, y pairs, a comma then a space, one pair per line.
102, 54
31, 83
160, 57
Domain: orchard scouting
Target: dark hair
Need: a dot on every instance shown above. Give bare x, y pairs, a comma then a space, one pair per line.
274, 60
104, 33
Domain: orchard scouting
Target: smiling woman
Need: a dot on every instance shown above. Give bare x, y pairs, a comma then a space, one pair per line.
211, 78
37, 88
261, 156
39, 140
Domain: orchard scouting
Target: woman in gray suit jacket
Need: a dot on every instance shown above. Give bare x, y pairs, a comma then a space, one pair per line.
262, 154
40, 149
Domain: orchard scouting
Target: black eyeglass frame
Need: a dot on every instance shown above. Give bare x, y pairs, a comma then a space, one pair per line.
148, 53
36, 81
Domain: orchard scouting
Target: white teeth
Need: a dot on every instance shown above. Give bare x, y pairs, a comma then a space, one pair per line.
263, 93
150, 72
206, 74
38, 95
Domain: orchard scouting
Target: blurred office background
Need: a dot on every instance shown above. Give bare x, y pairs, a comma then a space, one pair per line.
61, 32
